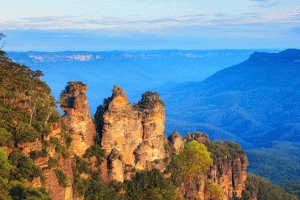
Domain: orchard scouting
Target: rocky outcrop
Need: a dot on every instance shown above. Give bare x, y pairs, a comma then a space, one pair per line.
77, 117
152, 112
135, 132
198, 136
176, 141
230, 174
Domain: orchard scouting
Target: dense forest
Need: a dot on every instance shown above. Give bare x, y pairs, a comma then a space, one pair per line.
26, 110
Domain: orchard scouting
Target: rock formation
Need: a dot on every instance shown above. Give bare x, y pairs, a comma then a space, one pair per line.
230, 174
136, 133
77, 117
176, 141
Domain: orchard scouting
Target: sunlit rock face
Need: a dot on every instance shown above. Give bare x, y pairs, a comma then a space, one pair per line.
78, 118
136, 132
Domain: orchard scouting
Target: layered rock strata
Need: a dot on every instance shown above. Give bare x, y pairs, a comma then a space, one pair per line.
136, 133
77, 117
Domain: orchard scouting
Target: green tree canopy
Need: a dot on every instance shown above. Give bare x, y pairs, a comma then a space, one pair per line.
194, 159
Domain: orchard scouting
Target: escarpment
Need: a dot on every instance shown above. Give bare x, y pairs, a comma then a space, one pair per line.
77, 117
228, 170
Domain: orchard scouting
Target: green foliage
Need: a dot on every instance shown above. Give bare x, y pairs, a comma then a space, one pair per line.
68, 139
292, 188
9, 118
95, 151
62, 150
15, 190
79, 185
24, 167
36, 154
26, 133
82, 166
54, 117
150, 185
5, 166
52, 162
54, 140
61, 178
5, 138
96, 190
41, 127
215, 191
279, 163
263, 189
224, 150
194, 159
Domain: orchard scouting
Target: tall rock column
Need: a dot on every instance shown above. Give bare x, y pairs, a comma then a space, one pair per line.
77, 117
121, 131
152, 111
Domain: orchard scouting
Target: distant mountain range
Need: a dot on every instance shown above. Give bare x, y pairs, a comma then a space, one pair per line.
255, 103
135, 71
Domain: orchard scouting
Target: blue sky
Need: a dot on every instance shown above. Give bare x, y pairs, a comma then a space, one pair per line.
149, 24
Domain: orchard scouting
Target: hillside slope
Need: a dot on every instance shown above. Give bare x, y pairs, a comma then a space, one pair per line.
255, 102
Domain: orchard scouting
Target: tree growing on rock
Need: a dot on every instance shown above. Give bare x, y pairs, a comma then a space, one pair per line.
194, 159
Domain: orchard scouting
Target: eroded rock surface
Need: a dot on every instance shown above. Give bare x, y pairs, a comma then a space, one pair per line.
136, 132
77, 117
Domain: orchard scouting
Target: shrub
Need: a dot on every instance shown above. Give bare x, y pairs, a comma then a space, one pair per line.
36, 154
224, 150
41, 127
82, 166
52, 162
26, 133
68, 139
215, 191
54, 117
5, 138
79, 185
62, 150
150, 185
95, 151
5, 166
25, 167
54, 140
61, 178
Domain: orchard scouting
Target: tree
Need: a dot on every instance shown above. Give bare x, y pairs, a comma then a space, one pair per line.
2, 53
215, 191
194, 159
5, 166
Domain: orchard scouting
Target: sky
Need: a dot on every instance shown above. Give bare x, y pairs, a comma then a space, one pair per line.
106, 25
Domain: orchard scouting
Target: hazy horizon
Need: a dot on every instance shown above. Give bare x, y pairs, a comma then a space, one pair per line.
145, 25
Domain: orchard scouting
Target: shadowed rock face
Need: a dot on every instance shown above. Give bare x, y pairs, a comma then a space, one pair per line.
78, 118
137, 133
231, 175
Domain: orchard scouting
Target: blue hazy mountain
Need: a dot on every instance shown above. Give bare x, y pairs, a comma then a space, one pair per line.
134, 71
255, 103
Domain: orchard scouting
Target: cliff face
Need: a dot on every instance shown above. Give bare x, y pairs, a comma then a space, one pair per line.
230, 174
134, 134
78, 118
